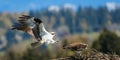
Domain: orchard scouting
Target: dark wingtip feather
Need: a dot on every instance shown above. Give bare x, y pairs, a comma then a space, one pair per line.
26, 16
16, 25
21, 17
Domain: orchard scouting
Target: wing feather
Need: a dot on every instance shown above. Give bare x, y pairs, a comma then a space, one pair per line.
29, 25
25, 23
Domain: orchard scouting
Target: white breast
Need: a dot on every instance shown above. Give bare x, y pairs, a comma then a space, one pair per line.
46, 36
48, 39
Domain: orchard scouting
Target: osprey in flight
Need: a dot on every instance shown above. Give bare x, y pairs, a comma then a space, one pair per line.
35, 28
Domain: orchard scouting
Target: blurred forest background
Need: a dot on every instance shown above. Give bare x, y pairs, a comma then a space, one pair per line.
99, 28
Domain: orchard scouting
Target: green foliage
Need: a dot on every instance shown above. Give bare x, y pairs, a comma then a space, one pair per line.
30, 55
108, 42
96, 44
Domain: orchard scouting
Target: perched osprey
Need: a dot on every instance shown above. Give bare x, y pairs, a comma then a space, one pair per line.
35, 28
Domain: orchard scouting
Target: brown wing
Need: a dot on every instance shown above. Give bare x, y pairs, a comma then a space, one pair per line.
23, 24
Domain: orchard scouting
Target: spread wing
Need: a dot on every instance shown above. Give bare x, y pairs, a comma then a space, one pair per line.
25, 23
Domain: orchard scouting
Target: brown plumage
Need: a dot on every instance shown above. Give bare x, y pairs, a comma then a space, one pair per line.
23, 28
22, 24
30, 25
76, 46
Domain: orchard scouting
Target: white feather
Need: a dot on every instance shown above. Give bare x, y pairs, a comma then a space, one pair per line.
47, 37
